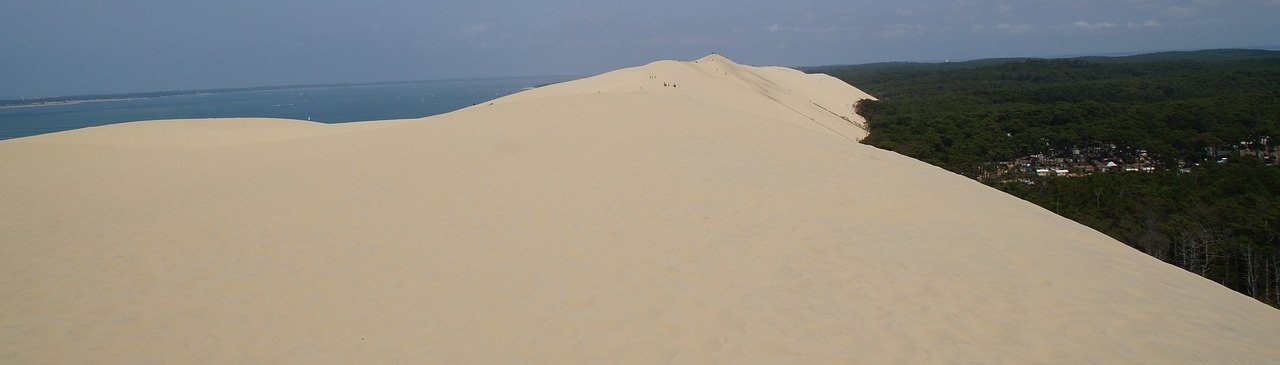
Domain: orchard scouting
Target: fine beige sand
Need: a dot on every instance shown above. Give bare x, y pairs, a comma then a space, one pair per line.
731, 218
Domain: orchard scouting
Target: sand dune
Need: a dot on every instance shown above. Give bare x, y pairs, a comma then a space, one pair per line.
730, 218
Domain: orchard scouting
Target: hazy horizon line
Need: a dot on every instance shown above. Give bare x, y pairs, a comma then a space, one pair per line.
92, 96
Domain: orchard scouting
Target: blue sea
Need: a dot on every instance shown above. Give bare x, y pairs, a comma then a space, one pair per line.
328, 104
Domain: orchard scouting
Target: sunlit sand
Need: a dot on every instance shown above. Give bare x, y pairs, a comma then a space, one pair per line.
687, 212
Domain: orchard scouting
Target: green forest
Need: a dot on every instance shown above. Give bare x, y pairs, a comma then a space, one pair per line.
1197, 130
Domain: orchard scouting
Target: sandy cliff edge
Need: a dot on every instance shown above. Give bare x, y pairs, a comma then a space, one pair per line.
728, 216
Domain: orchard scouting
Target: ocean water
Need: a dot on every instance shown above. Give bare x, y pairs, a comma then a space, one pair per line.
328, 104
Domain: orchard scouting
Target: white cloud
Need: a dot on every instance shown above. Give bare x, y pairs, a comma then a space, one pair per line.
901, 30
1181, 11
1094, 26
1014, 28
847, 29
1109, 25
811, 29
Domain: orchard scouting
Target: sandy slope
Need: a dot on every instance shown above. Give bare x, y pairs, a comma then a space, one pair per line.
605, 220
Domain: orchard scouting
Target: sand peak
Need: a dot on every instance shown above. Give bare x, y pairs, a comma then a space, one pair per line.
816, 102
715, 57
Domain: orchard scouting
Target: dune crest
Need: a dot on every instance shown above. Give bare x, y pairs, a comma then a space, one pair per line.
819, 102
727, 216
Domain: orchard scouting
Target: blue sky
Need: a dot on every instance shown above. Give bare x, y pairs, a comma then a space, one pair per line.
64, 47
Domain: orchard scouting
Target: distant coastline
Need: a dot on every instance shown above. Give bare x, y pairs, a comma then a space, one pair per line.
324, 103
93, 98
35, 103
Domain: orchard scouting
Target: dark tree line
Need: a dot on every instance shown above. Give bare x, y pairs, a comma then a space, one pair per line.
1218, 219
